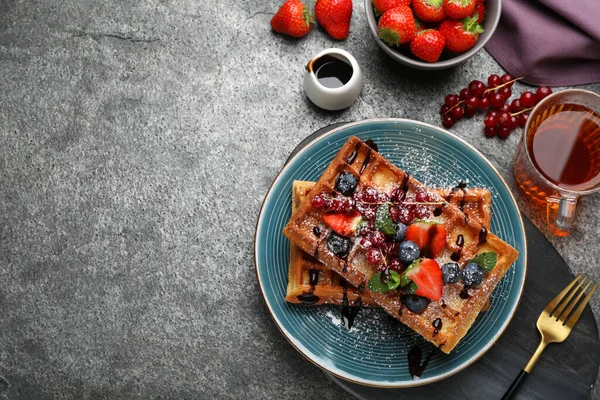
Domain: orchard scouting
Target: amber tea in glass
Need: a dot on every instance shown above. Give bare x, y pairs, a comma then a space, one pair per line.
558, 158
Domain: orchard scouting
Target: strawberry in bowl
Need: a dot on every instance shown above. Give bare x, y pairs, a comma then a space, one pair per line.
445, 32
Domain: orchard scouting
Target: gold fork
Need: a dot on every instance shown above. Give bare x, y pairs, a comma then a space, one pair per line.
556, 322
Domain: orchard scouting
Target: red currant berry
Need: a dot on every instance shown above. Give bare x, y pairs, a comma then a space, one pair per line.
505, 92
458, 112
374, 256
494, 80
476, 88
490, 120
406, 215
527, 99
366, 244
489, 131
337, 205
514, 122
542, 93
394, 213
497, 100
395, 265
318, 202
423, 197
377, 238
448, 121
515, 106
444, 109
421, 212
523, 119
507, 78
505, 107
464, 93
349, 204
483, 103
504, 132
504, 120
370, 195
451, 100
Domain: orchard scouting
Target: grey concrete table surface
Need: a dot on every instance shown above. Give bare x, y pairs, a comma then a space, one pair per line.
138, 140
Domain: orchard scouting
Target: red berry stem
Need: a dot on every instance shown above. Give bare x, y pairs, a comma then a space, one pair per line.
525, 110
502, 85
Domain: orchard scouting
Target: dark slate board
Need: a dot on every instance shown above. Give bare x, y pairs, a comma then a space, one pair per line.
565, 371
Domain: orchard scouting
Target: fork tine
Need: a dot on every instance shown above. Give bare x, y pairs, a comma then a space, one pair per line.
567, 299
573, 303
575, 317
552, 305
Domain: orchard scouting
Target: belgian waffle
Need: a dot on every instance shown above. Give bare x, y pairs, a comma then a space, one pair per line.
328, 287
459, 306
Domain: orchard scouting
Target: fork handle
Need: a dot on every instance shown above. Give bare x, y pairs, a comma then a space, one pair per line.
513, 387
525, 372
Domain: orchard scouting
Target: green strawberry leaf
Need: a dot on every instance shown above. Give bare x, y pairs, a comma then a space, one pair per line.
487, 261
383, 221
470, 25
376, 284
389, 36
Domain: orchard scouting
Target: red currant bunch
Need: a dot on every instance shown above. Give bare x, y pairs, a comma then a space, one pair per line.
502, 117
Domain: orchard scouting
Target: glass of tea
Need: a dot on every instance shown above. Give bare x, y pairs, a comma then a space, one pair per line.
558, 157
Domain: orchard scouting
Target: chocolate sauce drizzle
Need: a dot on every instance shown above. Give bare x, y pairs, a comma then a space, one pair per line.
349, 312
366, 162
415, 367
313, 280
317, 231
372, 144
460, 242
482, 235
437, 325
437, 212
353, 155
464, 294
461, 186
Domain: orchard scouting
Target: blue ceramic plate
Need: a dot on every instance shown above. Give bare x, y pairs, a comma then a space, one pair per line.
375, 351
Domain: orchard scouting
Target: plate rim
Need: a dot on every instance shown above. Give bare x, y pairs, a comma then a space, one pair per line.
419, 382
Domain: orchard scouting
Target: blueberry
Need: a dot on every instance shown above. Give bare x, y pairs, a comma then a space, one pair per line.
408, 251
415, 303
339, 245
345, 183
450, 272
472, 275
400, 229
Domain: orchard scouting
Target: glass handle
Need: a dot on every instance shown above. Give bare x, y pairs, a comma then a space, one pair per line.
560, 212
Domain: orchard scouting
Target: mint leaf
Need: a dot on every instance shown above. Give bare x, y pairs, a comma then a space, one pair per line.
411, 288
405, 280
383, 222
394, 280
487, 261
377, 285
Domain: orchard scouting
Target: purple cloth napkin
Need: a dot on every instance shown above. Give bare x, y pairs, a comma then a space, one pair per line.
549, 42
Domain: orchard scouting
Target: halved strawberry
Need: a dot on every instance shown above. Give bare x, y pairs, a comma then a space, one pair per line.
343, 224
426, 273
429, 236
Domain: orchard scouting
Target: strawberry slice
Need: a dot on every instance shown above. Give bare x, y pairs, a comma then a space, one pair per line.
429, 236
343, 224
426, 273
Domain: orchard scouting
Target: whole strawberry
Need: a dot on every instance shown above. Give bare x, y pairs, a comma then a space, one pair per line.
397, 26
428, 45
334, 16
460, 35
429, 10
382, 6
458, 9
293, 18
